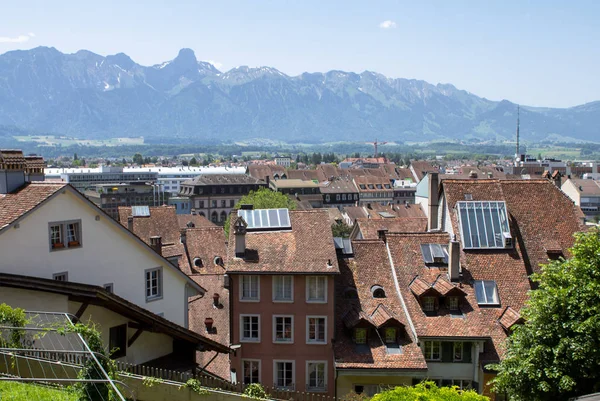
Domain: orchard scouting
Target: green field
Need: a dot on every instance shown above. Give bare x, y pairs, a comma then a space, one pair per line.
556, 152
51, 140
13, 391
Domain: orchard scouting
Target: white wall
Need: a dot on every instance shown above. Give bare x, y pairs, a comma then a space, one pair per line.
147, 347
108, 255
571, 191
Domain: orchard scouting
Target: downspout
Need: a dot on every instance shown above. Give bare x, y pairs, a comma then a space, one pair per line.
410, 323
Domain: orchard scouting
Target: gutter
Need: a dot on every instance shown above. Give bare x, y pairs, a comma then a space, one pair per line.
410, 323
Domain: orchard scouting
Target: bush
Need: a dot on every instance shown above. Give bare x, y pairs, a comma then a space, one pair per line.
428, 391
256, 391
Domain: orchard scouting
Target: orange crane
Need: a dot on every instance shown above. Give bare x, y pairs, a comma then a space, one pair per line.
375, 145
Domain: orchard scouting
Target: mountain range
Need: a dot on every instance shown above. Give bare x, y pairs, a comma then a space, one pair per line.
90, 96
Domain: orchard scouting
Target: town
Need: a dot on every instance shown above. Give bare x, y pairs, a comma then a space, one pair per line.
330, 280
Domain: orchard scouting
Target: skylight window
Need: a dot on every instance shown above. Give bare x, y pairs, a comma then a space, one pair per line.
486, 292
266, 218
435, 253
484, 225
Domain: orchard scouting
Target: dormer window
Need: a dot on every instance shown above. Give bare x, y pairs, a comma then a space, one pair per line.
452, 303
428, 304
391, 334
378, 291
360, 336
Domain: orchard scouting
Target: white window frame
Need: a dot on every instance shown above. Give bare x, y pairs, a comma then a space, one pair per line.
275, 340
313, 341
258, 361
316, 389
275, 384
430, 357
462, 351
484, 301
251, 277
64, 234
249, 339
59, 276
159, 293
308, 281
274, 286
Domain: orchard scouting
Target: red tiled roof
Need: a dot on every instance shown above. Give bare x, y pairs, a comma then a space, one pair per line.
306, 248
419, 286
307, 175
25, 199
370, 267
369, 227
420, 168
197, 220
208, 244
509, 318
161, 222
444, 287
262, 171
12, 158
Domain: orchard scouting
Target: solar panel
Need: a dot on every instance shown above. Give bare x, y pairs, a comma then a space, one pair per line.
140, 211
483, 224
265, 219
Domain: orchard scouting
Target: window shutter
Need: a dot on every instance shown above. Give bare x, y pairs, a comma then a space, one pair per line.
447, 351
467, 352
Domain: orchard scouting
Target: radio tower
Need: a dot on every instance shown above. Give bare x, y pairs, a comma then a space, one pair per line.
517, 154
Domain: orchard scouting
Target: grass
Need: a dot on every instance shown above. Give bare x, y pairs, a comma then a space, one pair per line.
14, 391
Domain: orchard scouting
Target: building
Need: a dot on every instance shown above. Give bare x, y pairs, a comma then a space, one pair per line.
281, 267
292, 186
109, 197
51, 232
420, 168
214, 196
339, 192
372, 189
266, 172
585, 194
283, 161
404, 191
168, 178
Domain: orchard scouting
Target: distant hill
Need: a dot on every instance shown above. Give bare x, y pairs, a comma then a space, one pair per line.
90, 96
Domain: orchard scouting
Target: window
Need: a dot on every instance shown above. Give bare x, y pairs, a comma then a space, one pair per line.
283, 372
486, 292
283, 289
213, 203
367, 389
483, 224
337, 197
432, 350
377, 291
452, 303
458, 351
283, 329
109, 287
214, 217
251, 370
117, 340
250, 328
390, 335
66, 234
201, 204
63, 276
429, 304
232, 201
327, 198
360, 336
153, 284
316, 327
223, 217
316, 289
223, 203
250, 288
316, 375
343, 197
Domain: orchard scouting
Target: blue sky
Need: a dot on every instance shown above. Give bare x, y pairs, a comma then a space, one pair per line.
541, 53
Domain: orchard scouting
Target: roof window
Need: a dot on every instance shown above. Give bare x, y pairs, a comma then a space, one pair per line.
484, 225
435, 253
378, 291
486, 292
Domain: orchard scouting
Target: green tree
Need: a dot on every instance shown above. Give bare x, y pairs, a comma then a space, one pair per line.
341, 229
263, 198
193, 162
138, 159
75, 156
556, 353
428, 391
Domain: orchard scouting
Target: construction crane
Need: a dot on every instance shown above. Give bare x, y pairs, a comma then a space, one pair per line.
375, 144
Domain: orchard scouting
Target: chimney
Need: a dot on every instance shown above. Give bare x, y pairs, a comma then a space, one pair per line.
381, 234
208, 322
239, 230
216, 300
183, 235
12, 170
453, 259
268, 181
130, 223
156, 244
473, 174
433, 201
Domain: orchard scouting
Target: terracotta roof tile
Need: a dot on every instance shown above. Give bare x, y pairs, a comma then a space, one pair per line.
444, 287
419, 286
25, 199
161, 222
509, 318
317, 175
369, 227
306, 248
197, 220
262, 171
382, 316
207, 244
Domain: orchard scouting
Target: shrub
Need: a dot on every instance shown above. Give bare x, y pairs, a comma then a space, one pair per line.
256, 391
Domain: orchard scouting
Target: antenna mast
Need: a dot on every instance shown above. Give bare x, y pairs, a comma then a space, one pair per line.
517, 154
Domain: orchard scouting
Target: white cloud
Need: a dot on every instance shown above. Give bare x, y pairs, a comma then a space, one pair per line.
389, 24
17, 39
216, 64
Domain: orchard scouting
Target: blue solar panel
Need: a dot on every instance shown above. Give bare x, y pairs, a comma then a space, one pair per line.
265, 219
483, 224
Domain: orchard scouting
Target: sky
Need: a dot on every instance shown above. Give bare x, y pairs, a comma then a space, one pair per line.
537, 53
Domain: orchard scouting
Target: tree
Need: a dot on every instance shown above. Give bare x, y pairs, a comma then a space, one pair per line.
428, 391
263, 198
138, 159
193, 162
556, 353
75, 156
341, 229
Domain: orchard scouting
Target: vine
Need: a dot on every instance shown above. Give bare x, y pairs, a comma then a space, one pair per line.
196, 387
13, 317
256, 391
